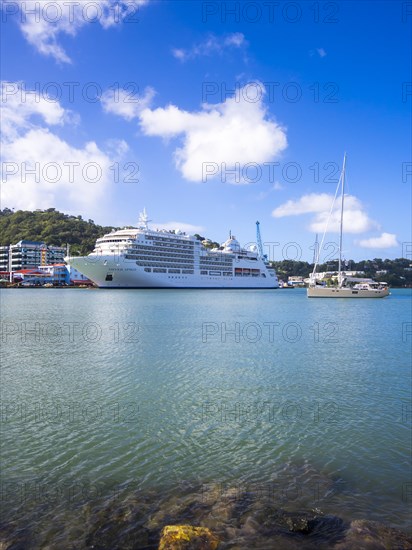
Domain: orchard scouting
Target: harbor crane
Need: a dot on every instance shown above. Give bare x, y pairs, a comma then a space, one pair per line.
259, 242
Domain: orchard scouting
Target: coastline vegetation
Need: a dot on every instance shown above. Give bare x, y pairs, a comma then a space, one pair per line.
59, 229
52, 227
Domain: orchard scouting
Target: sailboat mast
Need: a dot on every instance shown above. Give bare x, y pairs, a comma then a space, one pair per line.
341, 220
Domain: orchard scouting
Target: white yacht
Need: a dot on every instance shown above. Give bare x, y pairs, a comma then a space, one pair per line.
347, 287
145, 258
367, 289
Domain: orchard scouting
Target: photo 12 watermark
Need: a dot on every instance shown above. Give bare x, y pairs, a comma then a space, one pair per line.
270, 11
68, 332
407, 332
312, 491
268, 332
406, 11
69, 172
70, 12
406, 91
60, 412
406, 171
33, 490
70, 91
270, 412
407, 250
291, 172
270, 91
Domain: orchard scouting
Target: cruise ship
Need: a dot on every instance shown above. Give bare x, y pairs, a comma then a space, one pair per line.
145, 258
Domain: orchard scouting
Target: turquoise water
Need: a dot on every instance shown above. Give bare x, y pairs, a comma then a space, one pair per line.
105, 392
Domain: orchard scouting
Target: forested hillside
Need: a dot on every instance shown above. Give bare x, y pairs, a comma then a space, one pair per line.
398, 271
55, 228
50, 226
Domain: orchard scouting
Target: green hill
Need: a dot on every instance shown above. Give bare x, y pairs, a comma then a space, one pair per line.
55, 228
52, 227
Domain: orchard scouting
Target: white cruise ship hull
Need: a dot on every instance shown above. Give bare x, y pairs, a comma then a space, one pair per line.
329, 292
107, 272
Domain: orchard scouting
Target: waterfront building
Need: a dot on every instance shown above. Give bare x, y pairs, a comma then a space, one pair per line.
296, 280
29, 255
333, 274
56, 274
30, 277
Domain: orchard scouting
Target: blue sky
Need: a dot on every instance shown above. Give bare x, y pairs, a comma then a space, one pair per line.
213, 115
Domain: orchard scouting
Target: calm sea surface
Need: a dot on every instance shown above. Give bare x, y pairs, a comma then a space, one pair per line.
107, 392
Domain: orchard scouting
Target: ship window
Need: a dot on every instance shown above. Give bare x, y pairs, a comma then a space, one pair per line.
109, 277
203, 272
147, 269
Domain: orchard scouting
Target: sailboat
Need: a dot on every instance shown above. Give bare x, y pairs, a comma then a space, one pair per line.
347, 287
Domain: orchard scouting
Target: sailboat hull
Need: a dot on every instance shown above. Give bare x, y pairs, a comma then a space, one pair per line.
329, 292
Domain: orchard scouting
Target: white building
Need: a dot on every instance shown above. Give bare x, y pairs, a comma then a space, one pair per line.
29, 255
296, 280
331, 274
57, 274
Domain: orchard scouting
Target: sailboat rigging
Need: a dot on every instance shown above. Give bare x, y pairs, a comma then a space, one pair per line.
347, 287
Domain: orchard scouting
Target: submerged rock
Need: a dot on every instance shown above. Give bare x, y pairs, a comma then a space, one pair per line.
226, 517
372, 535
119, 525
186, 537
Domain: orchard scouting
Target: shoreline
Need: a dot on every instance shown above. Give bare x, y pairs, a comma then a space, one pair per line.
236, 519
92, 287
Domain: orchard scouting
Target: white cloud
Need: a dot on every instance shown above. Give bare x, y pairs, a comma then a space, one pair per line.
315, 202
179, 54
182, 226
275, 187
321, 52
42, 22
125, 103
18, 106
219, 136
212, 45
235, 39
217, 139
41, 170
355, 219
385, 240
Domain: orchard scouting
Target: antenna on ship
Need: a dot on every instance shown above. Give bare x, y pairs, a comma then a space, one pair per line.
144, 219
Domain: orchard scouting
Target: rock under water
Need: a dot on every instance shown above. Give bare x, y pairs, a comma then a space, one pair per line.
196, 518
187, 537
